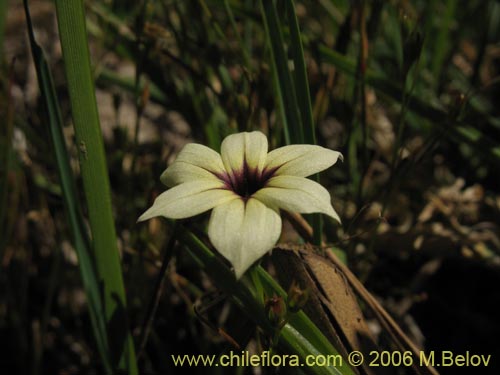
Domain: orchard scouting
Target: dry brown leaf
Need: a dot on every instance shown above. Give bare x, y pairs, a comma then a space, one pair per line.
332, 304
337, 276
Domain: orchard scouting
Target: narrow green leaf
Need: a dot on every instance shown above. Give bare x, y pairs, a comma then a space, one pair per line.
232, 21
300, 75
300, 336
108, 77
304, 100
293, 340
441, 50
286, 94
76, 223
72, 31
459, 131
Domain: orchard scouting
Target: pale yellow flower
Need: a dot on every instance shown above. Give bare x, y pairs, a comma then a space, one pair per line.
246, 187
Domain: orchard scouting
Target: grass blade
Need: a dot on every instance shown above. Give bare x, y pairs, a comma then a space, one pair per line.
439, 117
75, 218
440, 50
287, 97
72, 31
300, 75
107, 77
300, 336
304, 100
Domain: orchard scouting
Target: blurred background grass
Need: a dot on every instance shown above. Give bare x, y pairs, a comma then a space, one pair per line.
406, 90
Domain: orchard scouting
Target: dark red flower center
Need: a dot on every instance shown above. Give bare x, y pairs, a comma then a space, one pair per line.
247, 181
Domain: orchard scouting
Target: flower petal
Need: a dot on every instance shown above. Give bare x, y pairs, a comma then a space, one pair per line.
189, 199
244, 148
296, 194
244, 232
180, 172
193, 162
301, 160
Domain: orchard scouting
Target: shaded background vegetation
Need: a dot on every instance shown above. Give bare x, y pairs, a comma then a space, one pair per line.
406, 90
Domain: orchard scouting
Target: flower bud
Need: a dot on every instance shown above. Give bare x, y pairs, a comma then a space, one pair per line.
276, 310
